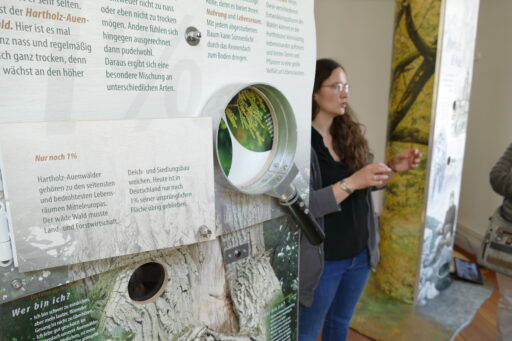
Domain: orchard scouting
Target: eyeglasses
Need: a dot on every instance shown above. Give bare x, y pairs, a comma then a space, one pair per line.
338, 87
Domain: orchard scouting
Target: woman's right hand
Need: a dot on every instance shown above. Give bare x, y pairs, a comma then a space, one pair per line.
374, 174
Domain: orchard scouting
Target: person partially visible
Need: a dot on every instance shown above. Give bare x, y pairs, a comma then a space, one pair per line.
501, 182
332, 276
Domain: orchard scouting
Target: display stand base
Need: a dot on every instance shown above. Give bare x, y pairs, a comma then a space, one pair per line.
381, 317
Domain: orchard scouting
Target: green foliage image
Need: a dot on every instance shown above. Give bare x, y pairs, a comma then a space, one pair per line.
70, 312
224, 147
250, 120
282, 242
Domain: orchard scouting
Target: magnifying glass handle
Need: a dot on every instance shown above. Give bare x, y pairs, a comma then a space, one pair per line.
301, 214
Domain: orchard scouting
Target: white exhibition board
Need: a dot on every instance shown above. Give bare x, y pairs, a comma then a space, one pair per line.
74, 60
448, 133
77, 59
87, 190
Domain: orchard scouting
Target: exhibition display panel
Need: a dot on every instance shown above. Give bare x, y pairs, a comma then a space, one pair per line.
125, 211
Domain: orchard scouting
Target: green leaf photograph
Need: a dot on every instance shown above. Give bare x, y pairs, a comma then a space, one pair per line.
250, 120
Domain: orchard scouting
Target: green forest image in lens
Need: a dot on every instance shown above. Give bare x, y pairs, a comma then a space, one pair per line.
250, 120
224, 147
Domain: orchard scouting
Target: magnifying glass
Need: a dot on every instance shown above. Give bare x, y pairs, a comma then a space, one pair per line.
255, 143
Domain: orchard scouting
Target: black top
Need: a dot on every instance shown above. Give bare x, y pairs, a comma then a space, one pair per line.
346, 231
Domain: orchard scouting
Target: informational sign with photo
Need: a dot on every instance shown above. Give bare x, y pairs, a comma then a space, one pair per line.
86, 190
176, 293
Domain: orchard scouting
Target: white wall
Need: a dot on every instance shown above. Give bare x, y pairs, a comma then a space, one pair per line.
358, 33
490, 119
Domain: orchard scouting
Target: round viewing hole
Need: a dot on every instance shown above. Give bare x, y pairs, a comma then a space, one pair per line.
147, 282
238, 253
6, 263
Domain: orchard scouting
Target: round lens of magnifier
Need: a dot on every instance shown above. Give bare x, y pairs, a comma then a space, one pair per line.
245, 137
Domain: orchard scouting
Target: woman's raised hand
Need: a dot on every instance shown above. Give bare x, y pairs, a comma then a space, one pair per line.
405, 160
374, 174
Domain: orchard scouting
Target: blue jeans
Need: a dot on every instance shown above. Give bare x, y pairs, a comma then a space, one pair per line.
335, 299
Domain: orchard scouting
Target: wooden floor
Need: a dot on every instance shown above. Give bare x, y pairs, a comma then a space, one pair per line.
483, 325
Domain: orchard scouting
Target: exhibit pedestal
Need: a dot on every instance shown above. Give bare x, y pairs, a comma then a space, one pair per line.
440, 319
432, 66
429, 103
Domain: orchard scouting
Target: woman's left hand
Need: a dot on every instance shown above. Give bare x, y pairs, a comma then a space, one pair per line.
405, 160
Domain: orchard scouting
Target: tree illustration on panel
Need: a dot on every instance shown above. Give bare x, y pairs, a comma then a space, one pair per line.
410, 107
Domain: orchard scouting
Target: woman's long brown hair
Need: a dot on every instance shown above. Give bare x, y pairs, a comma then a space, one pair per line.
347, 133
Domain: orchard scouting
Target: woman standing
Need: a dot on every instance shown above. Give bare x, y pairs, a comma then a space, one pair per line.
333, 275
501, 182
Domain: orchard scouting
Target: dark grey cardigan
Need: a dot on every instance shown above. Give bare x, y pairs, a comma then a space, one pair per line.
501, 182
322, 202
